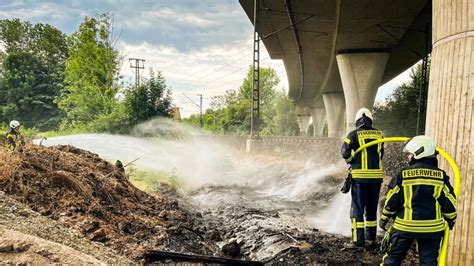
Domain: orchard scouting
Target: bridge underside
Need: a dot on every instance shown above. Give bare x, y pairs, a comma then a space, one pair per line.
342, 49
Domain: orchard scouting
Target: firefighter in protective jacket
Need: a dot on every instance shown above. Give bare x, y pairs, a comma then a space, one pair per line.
367, 175
420, 200
13, 136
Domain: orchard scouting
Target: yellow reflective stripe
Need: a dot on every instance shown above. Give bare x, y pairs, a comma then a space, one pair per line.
383, 217
379, 151
407, 197
451, 215
448, 195
437, 192
406, 222
367, 173
347, 140
390, 193
410, 199
370, 223
419, 229
354, 230
360, 224
421, 181
364, 155
419, 226
438, 210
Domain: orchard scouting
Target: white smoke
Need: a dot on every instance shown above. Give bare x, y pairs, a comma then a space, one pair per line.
199, 162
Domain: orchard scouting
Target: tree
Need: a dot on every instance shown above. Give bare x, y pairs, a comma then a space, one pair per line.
230, 113
32, 73
91, 74
279, 116
151, 99
268, 80
399, 114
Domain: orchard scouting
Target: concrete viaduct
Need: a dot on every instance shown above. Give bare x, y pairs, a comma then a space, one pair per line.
338, 52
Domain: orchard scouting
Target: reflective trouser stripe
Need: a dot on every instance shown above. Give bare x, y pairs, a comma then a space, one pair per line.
370, 223
354, 230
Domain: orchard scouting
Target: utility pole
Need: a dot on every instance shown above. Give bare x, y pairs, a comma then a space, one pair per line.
201, 121
200, 111
255, 118
137, 64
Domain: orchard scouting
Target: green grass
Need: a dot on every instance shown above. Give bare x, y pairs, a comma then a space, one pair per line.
149, 181
74, 131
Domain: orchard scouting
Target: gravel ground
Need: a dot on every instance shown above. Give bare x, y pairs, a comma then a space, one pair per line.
16, 216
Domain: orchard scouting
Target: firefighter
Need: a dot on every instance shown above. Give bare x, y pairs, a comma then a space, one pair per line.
420, 200
13, 137
366, 180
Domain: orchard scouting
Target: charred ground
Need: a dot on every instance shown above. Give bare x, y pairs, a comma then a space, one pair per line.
95, 198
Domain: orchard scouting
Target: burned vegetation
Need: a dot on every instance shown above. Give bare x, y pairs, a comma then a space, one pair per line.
95, 198
86, 193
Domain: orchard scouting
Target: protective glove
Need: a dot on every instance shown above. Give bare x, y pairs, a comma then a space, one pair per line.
451, 224
383, 224
347, 184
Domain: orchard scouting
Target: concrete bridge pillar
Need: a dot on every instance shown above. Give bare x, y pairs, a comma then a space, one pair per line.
303, 123
335, 108
450, 114
361, 75
318, 114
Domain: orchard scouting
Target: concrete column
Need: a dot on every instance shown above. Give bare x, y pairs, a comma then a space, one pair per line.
361, 75
303, 123
450, 114
318, 115
335, 110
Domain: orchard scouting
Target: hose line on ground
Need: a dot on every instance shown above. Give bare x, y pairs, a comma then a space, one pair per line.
457, 183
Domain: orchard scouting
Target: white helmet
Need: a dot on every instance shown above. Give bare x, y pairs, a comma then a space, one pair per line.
364, 111
14, 124
421, 146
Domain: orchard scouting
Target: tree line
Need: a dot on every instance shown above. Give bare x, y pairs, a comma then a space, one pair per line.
230, 113
51, 81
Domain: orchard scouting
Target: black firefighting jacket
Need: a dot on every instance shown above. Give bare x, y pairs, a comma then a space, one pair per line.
366, 165
420, 199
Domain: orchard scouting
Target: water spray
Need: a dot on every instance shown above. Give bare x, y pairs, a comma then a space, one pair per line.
457, 184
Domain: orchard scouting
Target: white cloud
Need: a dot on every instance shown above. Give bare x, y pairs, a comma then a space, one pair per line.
179, 17
40, 11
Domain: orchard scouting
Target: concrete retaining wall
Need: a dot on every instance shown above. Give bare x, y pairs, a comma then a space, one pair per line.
318, 150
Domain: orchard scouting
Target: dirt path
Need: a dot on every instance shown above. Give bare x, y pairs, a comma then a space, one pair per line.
19, 248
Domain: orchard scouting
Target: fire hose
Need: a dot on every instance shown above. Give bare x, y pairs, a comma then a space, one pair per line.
457, 183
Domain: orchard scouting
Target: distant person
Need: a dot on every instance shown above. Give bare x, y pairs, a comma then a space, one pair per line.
420, 200
14, 140
365, 179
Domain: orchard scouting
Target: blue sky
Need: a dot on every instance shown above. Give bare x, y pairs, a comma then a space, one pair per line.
200, 46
